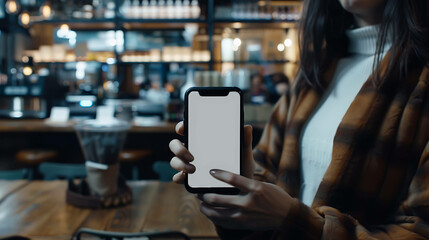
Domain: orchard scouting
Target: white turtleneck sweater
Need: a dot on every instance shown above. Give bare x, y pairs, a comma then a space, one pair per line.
318, 136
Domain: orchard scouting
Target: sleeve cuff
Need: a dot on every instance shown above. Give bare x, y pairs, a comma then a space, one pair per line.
302, 222
226, 234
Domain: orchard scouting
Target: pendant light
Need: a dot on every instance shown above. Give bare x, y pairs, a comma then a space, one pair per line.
12, 7
24, 18
46, 10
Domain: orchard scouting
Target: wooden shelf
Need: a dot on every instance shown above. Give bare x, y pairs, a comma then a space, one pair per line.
248, 20
120, 62
207, 22
166, 20
136, 24
122, 23
262, 62
58, 21
250, 24
169, 62
82, 24
59, 63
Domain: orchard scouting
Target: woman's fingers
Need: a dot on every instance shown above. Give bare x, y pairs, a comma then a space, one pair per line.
179, 177
180, 151
182, 158
248, 168
243, 183
226, 201
216, 213
180, 128
248, 136
180, 165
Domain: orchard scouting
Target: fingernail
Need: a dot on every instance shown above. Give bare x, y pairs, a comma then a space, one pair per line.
213, 172
189, 157
189, 168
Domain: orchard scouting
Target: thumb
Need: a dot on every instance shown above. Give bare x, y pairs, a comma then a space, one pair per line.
248, 165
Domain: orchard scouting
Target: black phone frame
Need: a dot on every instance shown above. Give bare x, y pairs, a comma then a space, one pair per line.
215, 91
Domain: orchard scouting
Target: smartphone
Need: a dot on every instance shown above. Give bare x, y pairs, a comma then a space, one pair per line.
213, 122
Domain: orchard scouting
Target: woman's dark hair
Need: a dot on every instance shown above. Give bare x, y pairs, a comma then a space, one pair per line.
322, 38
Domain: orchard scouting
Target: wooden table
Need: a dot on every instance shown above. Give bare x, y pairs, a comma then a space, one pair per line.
38, 210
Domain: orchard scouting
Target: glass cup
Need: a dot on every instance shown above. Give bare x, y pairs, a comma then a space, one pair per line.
101, 143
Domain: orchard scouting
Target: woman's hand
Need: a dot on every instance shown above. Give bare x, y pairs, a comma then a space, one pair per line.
182, 161
259, 206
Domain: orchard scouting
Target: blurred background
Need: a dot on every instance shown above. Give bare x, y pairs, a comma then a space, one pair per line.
64, 61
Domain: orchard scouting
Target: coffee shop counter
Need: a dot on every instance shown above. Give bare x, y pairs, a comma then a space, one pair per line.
36, 125
16, 135
23, 134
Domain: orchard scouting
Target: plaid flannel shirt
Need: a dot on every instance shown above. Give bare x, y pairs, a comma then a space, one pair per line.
377, 184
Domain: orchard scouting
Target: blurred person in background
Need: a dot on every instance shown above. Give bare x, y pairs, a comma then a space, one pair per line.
259, 93
277, 85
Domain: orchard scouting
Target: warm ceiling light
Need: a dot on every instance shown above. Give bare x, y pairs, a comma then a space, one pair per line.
24, 18
12, 6
237, 25
46, 10
64, 27
27, 71
288, 42
280, 47
237, 42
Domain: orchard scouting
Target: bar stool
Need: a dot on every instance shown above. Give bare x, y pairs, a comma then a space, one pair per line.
53, 171
16, 174
164, 170
134, 157
33, 158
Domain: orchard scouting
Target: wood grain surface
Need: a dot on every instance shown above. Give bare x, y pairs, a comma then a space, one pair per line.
38, 210
8, 187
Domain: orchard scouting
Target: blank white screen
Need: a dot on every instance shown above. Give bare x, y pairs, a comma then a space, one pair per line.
213, 137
